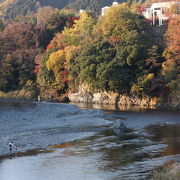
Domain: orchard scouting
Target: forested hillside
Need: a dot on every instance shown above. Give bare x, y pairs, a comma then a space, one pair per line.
93, 5
11, 8
55, 3
57, 50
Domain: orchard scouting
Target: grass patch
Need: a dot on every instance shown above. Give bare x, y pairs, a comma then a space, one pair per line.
171, 171
24, 94
15, 103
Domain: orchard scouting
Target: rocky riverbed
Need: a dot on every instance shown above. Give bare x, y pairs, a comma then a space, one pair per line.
36, 125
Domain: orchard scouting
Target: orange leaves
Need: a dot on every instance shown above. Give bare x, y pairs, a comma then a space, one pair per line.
173, 33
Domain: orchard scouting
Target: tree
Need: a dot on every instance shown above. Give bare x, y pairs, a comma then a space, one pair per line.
11, 9
81, 30
91, 5
171, 67
25, 19
172, 52
175, 8
119, 21
97, 67
112, 61
44, 14
8, 72
153, 63
21, 35
85, 66
19, 46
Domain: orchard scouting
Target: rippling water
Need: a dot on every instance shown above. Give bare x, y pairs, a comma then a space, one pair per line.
152, 138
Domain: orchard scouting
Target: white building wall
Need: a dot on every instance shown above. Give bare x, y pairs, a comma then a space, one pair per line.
157, 9
105, 9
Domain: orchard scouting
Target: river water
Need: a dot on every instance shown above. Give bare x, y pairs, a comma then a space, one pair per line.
151, 139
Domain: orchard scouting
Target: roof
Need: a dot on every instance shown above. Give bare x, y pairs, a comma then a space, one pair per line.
163, 4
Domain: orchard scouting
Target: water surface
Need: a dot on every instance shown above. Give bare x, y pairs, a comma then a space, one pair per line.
152, 138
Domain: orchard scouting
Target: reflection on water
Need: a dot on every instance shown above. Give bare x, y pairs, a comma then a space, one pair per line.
113, 107
105, 156
169, 134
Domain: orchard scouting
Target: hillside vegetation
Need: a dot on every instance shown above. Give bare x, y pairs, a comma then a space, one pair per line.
11, 8
93, 5
120, 52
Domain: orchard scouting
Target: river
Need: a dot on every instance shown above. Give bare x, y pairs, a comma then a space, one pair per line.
95, 152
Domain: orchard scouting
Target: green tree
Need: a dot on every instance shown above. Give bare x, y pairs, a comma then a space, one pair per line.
97, 66
119, 22
8, 72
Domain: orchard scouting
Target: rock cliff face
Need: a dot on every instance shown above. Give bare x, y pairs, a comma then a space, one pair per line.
84, 96
113, 98
174, 100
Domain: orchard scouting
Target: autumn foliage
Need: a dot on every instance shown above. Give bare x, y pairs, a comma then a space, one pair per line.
56, 51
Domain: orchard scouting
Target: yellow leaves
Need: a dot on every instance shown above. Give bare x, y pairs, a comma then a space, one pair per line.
85, 23
81, 30
69, 52
143, 84
69, 42
149, 77
118, 20
56, 60
56, 63
137, 89
170, 63
61, 58
114, 10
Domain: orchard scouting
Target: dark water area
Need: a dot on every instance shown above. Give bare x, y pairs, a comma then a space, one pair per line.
151, 139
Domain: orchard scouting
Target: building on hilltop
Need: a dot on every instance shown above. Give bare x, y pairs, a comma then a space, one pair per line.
81, 11
158, 13
105, 9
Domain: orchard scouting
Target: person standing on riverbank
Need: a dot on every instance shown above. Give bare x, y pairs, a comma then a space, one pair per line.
11, 146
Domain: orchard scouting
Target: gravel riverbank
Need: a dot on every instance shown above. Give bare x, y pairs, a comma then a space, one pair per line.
33, 125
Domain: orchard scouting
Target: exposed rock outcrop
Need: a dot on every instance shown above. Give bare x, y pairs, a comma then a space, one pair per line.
84, 96
113, 98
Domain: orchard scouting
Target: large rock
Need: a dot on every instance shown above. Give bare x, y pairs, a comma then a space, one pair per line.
105, 98
126, 100
111, 98
81, 97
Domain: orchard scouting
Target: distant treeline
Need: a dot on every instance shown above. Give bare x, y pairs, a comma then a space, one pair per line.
92, 5
10, 9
